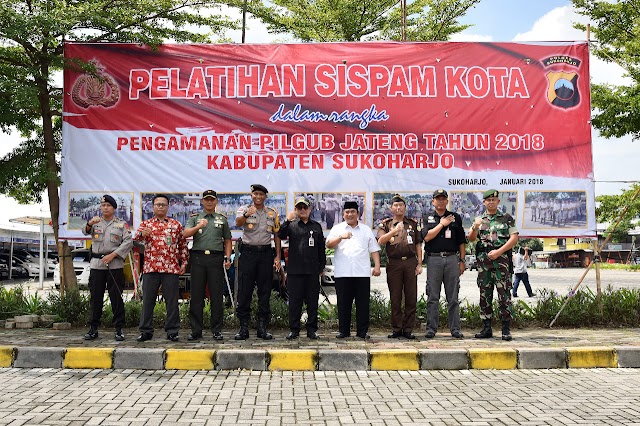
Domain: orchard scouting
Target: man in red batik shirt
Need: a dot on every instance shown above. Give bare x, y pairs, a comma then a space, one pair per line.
165, 258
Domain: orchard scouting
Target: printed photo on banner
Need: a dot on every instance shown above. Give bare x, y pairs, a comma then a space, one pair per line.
555, 209
85, 205
468, 204
229, 203
181, 205
418, 204
327, 207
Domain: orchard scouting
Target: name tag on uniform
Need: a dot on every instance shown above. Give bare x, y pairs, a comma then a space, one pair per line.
447, 233
409, 239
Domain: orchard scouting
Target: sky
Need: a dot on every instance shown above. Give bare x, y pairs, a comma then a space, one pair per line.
492, 20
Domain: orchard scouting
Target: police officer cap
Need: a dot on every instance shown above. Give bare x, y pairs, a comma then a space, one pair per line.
109, 199
258, 187
398, 199
490, 193
209, 193
350, 205
440, 192
301, 200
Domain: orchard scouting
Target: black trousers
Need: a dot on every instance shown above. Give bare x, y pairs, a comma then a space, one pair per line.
151, 283
255, 269
348, 289
303, 289
99, 281
206, 269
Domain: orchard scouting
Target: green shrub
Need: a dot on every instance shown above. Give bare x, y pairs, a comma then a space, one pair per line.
12, 302
71, 306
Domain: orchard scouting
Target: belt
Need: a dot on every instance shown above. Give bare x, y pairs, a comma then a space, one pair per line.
442, 253
246, 247
207, 252
97, 255
411, 256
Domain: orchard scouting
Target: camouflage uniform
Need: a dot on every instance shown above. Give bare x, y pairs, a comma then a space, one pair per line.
493, 234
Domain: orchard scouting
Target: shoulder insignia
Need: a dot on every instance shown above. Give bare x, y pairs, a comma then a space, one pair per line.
194, 214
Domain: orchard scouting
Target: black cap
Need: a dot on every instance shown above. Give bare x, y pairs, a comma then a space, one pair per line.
490, 193
258, 187
440, 192
302, 200
398, 199
109, 199
209, 193
350, 205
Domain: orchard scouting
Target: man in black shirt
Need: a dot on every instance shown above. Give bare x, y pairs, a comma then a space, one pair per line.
444, 250
306, 262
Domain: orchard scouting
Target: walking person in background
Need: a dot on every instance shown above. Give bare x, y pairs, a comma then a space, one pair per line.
520, 261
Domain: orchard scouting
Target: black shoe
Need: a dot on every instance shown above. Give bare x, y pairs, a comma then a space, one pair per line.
313, 335
531, 295
364, 336
456, 334
342, 336
143, 337
486, 331
394, 334
92, 334
173, 337
430, 334
264, 335
243, 333
506, 332
515, 295
119, 336
194, 336
408, 335
293, 335
218, 336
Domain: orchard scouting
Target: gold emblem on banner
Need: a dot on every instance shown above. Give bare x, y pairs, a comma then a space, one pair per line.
250, 226
95, 90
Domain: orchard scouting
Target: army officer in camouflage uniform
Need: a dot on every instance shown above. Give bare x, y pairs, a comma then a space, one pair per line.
497, 235
110, 244
210, 253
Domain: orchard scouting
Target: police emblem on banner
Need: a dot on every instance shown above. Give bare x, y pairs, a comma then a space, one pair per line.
563, 89
95, 90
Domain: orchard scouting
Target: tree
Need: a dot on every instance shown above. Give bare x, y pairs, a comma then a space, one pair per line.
357, 20
609, 208
616, 27
32, 36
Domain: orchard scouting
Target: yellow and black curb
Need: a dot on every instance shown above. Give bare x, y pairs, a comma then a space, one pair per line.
320, 360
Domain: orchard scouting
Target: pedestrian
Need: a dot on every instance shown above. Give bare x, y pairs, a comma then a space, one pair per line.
165, 258
400, 237
259, 224
520, 260
306, 263
210, 254
497, 235
445, 251
110, 244
353, 243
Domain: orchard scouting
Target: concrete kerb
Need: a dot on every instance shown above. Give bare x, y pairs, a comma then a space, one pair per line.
320, 360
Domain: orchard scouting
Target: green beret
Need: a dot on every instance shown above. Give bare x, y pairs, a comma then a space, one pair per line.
490, 193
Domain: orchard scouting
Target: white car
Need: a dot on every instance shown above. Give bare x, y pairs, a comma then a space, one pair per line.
81, 265
327, 277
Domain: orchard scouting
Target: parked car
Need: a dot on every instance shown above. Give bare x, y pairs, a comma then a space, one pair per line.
81, 265
471, 262
33, 269
28, 256
4, 270
328, 276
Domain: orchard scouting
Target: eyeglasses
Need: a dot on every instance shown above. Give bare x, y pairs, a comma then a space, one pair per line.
160, 205
302, 207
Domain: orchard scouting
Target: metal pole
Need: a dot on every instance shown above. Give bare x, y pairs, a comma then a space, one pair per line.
244, 20
42, 271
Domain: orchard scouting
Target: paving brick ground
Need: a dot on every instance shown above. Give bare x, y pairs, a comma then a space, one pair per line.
467, 397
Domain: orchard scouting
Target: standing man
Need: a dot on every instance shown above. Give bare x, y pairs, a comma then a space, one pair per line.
306, 263
400, 236
259, 223
354, 243
332, 206
520, 260
211, 252
444, 249
165, 258
497, 235
110, 244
